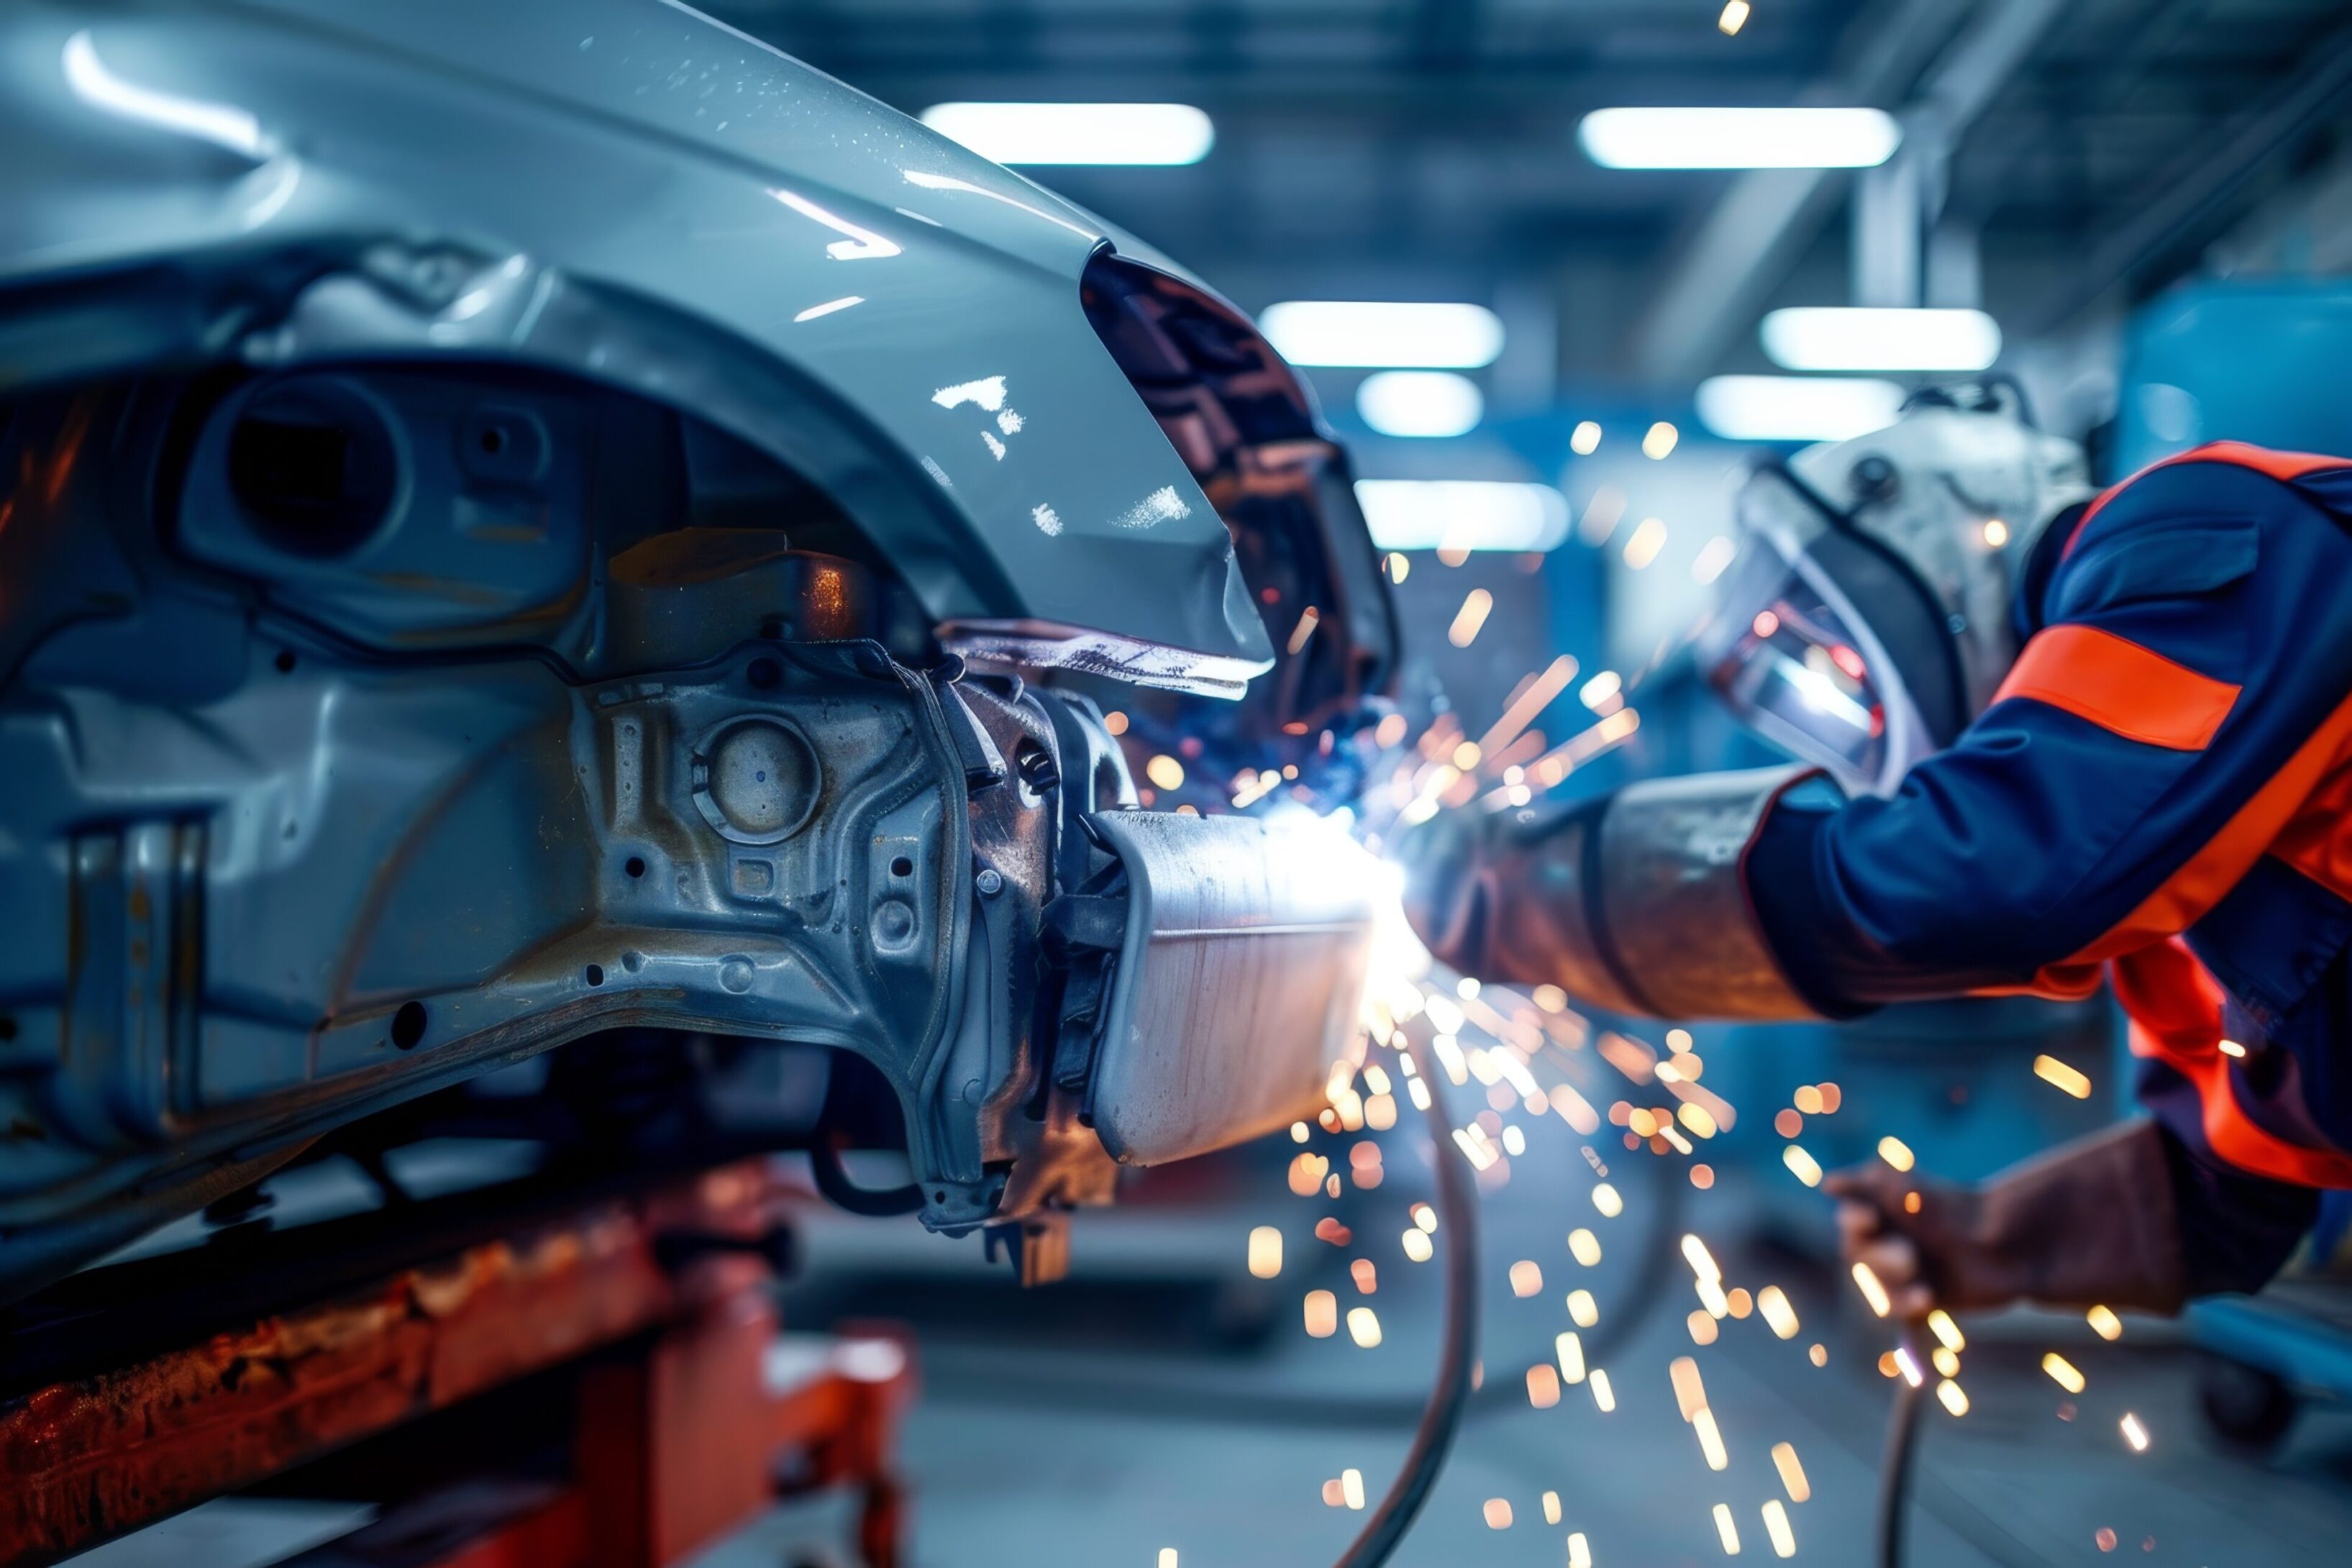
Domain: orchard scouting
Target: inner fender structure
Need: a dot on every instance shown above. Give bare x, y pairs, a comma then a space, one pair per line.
369, 728
261, 875
669, 577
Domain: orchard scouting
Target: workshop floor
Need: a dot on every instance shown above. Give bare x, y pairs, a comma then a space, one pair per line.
1128, 1411
1162, 1398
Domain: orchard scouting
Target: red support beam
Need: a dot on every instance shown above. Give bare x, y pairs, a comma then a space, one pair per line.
679, 1441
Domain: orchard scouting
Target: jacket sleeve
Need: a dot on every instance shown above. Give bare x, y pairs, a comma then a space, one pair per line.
2236, 1229
2196, 641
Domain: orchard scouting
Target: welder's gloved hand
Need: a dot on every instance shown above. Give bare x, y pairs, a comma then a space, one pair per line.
1506, 896
1631, 902
1444, 899
2090, 1221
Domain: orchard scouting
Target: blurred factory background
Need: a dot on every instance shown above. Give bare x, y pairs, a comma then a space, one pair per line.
2083, 174
1555, 343
1556, 337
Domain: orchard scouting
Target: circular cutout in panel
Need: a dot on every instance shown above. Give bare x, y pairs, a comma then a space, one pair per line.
313, 466
756, 781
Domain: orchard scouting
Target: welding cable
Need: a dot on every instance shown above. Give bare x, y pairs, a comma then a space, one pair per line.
1457, 1211
1631, 1309
1895, 1460
833, 1181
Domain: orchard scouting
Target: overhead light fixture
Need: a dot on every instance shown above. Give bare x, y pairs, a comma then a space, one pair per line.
1121, 133
1740, 138
1420, 402
1378, 333
1796, 407
1833, 337
1462, 514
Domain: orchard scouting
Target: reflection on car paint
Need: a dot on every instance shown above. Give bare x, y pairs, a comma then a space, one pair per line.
829, 307
222, 124
988, 392
949, 183
1162, 505
863, 244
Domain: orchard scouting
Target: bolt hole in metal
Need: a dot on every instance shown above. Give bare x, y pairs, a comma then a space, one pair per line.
634, 865
285, 662
764, 673
408, 1026
902, 866
595, 974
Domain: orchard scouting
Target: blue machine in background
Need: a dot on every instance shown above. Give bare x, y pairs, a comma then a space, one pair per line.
2263, 362
2237, 362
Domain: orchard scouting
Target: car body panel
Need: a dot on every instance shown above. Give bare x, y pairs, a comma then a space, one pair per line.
628, 191
491, 503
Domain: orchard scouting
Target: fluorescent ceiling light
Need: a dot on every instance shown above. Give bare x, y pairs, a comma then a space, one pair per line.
1739, 138
1420, 402
1462, 514
1865, 338
1076, 132
1796, 407
1383, 332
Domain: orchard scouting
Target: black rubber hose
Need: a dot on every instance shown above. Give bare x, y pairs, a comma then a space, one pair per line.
833, 1181
1457, 1213
1895, 1460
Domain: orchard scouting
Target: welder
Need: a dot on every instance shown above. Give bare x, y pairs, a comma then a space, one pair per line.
2054, 738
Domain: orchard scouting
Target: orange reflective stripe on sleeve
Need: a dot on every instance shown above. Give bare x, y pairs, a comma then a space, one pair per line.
2284, 467
2175, 1007
2317, 841
2198, 884
2121, 687
2202, 880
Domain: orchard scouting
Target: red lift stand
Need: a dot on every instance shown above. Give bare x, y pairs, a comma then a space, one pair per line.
649, 1321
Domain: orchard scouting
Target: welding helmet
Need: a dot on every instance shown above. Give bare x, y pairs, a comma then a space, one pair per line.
1866, 621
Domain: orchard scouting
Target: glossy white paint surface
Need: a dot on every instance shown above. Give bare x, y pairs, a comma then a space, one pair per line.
657, 201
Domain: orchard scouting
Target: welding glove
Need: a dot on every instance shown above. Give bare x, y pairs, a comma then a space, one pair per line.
1633, 902
2090, 1221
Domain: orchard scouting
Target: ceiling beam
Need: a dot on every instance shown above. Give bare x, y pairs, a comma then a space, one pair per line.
1768, 217
2194, 201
